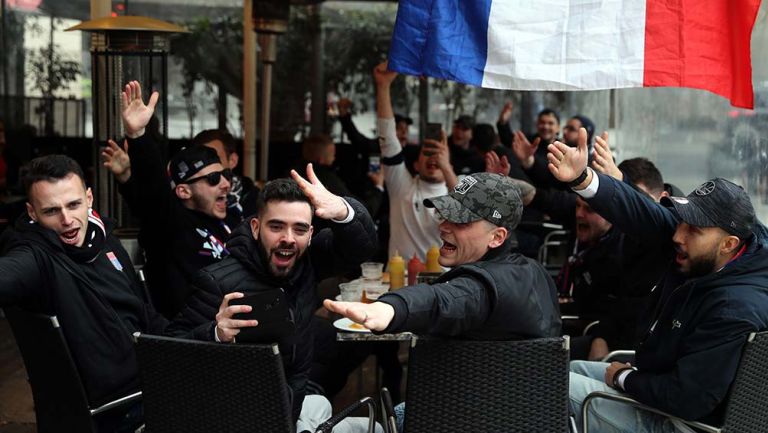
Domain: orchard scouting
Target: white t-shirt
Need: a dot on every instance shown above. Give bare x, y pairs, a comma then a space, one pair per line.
413, 227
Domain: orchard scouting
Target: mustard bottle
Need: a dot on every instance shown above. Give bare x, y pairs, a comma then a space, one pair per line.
432, 264
396, 268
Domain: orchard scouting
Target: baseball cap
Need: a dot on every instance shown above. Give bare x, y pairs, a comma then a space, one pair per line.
716, 203
190, 160
479, 196
465, 121
400, 118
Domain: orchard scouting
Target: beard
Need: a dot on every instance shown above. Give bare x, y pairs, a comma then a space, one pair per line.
701, 266
279, 271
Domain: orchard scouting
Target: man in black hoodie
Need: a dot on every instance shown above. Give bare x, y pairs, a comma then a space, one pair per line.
713, 295
61, 259
182, 205
272, 251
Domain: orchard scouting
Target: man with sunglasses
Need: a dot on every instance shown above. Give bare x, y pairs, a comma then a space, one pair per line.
182, 227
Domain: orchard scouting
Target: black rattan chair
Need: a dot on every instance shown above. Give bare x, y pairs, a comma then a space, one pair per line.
487, 386
61, 404
195, 386
745, 411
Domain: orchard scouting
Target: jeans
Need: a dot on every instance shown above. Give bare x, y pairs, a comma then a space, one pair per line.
608, 416
316, 409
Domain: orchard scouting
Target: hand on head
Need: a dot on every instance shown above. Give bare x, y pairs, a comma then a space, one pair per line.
327, 205
376, 316
136, 114
227, 327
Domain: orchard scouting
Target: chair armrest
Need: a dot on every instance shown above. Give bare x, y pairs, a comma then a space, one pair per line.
632, 402
116, 403
328, 425
589, 326
611, 355
388, 412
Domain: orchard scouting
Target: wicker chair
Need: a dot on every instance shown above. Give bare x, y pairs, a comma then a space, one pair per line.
61, 403
194, 386
745, 410
487, 386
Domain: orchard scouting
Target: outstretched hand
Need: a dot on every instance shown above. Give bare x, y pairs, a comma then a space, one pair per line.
494, 164
376, 316
603, 160
525, 150
136, 114
117, 161
567, 163
327, 205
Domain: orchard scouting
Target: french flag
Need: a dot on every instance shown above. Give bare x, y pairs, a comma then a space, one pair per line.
580, 44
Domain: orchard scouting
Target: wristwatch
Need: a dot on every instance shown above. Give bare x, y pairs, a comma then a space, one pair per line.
582, 177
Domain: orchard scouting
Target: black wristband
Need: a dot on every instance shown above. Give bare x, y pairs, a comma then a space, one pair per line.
582, 177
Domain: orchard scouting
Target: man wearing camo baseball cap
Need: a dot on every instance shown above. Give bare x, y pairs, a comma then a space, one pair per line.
490, 293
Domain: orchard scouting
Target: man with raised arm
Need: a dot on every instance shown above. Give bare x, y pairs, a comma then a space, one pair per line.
713, 295
412, 226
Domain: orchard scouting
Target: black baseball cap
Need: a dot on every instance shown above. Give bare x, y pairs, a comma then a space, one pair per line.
190, 160
400, 118
465, 122
716, 203
481, 196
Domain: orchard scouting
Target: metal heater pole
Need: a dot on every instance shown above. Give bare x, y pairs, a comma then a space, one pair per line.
268, 44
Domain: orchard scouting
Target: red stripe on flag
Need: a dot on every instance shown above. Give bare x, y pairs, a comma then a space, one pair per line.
704, 44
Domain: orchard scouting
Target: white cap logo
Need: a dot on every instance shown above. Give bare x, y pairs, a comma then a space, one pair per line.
465, 185
706, 188
680, 200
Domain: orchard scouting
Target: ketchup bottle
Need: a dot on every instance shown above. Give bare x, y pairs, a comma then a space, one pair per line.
414, 267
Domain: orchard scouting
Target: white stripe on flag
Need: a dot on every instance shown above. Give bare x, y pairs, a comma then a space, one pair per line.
565, 44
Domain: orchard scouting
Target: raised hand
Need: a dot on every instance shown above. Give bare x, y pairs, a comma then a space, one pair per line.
494, 164
603, 161
525, 150
506, 112
567, 163
382, 75
442, 155
327, 205
376, 316
136, 114
227, 327
117, 161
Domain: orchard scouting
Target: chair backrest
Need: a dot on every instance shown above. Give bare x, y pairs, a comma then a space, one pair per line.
195, 386
487, 386
60, 400
745, 411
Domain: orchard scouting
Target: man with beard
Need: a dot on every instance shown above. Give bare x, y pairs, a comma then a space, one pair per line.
713, 295
61, 259
183, 226
272, 251
412, 225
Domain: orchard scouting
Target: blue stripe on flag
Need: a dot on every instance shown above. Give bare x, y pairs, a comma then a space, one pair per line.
442, 39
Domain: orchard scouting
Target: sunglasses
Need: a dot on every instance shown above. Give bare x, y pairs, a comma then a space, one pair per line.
213, 177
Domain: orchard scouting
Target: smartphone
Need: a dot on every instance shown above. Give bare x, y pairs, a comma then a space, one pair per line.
270, 309
434, 131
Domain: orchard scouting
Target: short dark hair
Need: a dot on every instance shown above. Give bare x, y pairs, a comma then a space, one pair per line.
642, 170
209, 135
548, 112
50, 168
484, 137
281, 190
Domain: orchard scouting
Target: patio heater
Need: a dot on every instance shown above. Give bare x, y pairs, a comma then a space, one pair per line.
270, 19
124, 48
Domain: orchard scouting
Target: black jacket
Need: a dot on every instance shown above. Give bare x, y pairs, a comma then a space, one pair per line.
97, 321
688, 356
177, 241
333, 251
503, 296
